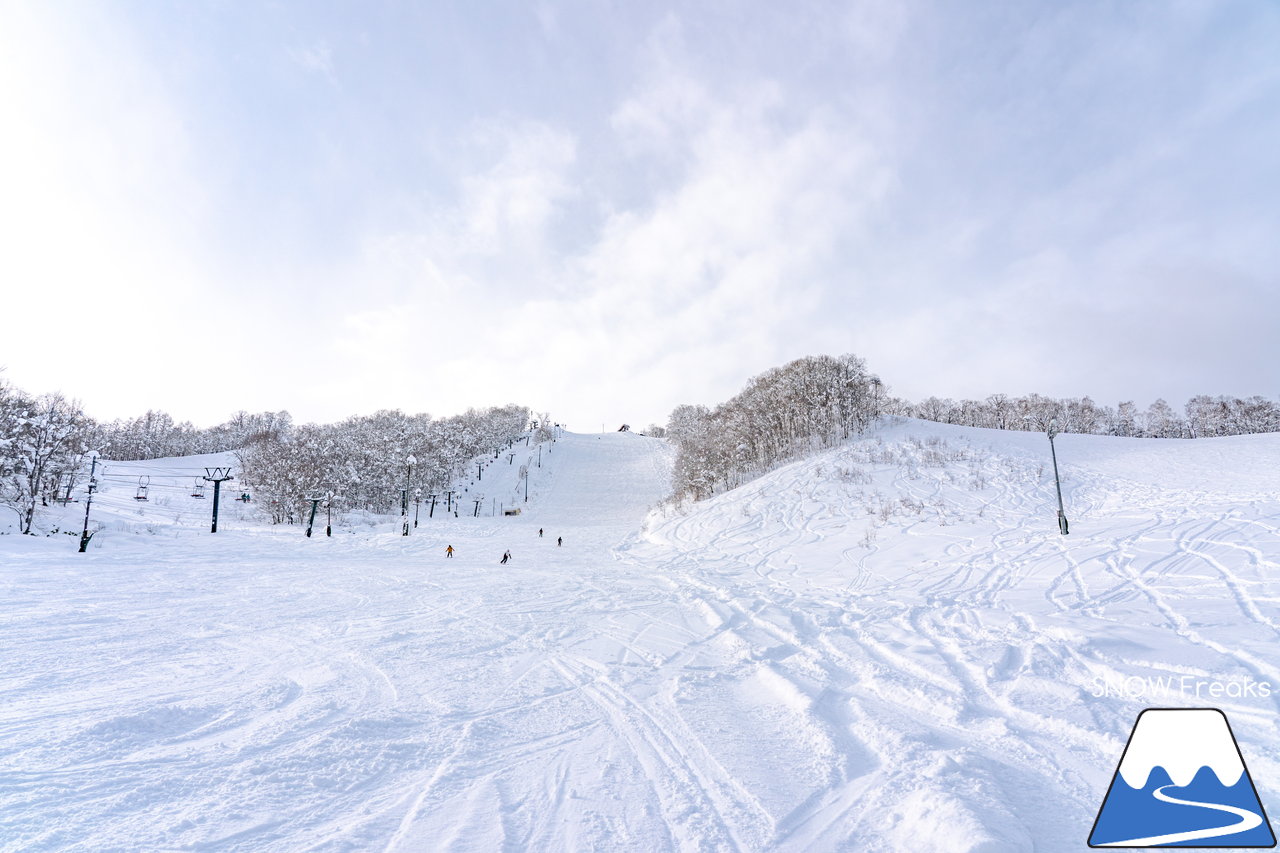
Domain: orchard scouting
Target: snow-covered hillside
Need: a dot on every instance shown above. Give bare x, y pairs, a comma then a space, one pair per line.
884, 647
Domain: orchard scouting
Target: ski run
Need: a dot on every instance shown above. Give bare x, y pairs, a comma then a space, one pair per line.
887, 646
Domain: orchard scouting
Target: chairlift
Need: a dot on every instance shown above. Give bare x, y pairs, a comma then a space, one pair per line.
144, 482
197, 491
60, 498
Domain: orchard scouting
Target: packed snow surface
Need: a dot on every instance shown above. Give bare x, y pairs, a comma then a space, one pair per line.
887, 646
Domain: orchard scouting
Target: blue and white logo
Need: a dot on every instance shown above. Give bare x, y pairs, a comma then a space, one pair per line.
1182, 782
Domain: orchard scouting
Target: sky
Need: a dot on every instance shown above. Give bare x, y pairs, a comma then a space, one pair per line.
602, 209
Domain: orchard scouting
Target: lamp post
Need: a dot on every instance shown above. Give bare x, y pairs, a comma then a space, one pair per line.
417, 504
404, 503
93, 484
1052, 432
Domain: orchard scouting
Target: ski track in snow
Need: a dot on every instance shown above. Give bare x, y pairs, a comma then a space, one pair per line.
886, 646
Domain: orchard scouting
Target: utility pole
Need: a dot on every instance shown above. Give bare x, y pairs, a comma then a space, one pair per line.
315, 502
539, 455
93, 483
1062, 516
479, 471
404, 503
328, 508
449, 495
217, 476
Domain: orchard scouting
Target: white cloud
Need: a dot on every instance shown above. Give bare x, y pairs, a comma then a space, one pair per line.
316, 58
702, 280
621, 227
509, 206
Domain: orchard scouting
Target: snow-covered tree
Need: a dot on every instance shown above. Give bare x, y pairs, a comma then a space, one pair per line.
365, 458
809, 403
42, 445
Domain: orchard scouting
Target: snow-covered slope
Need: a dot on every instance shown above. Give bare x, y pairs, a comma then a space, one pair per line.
884, 647
909, 600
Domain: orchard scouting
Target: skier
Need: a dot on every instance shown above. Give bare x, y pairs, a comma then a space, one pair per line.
559, 541
506, 555
539, 532
448, 552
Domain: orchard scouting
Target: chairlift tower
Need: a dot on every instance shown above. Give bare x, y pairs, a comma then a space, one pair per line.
217, 476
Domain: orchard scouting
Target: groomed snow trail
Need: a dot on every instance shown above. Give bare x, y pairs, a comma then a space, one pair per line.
885, 647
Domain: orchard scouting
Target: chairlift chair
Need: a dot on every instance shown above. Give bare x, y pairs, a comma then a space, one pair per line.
60, 498
197, 491
144, 482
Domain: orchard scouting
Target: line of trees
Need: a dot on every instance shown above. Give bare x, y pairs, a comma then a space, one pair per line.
818, 401
810, 403
45, 441
1202, 416
363, 460
155, 435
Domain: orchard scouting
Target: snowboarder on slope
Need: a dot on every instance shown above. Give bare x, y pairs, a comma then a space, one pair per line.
539, 532
559, 541
448, 552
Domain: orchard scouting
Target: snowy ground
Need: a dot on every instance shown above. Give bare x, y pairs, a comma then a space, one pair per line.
884, 647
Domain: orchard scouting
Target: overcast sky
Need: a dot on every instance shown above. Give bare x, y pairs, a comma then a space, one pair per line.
605, 209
